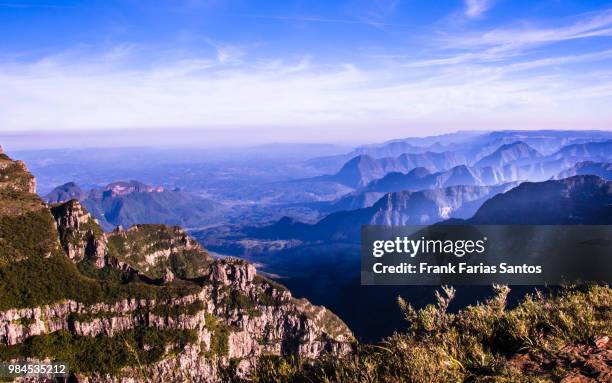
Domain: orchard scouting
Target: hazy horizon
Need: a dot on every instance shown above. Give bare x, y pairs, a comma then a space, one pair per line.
198, 139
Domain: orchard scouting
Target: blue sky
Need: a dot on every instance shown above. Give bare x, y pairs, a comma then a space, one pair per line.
305, 70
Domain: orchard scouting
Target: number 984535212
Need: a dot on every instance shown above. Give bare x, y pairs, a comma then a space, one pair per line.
33, 369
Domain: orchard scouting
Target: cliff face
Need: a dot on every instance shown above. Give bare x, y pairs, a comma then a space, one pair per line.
14, 175
142, 304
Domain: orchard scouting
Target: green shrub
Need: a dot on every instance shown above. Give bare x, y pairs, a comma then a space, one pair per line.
265, 298
219, 341
236, 300
30, 234
13, 176
37, 281
133, 246
101, 354
177, 310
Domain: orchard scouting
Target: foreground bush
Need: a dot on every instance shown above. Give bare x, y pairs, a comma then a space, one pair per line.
546, 338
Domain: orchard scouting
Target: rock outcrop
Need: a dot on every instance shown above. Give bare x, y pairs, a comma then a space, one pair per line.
158, 305
15, 175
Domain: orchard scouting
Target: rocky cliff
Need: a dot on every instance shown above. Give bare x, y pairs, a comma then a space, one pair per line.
142, 304
14, 175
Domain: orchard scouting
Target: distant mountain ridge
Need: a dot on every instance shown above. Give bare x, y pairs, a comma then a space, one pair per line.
396, 181
399, 208
419, 179
66, 192
363, 169
583, 199
422, 196
577, 200
601, 169
473, 144
514, 153
516, 161
600, 150
128, 203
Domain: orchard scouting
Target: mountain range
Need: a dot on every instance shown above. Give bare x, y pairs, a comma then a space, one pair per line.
363, 169
257, 188
515, 153
596, 150
583, 199
398, 208
420, 178
474, 145
132, 202
510, 162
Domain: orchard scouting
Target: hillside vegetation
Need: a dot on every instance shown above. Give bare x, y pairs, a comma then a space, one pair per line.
560, 336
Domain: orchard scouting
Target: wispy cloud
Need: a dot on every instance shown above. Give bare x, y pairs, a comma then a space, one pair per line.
314, 19
487, 55
206, 91
522, 46
551, 62
476, 8
227, 53
374, 12
586, 26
